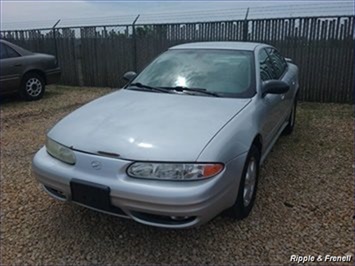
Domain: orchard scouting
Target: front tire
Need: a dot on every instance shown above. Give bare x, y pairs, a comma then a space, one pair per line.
291, 120
32, 87
248, 186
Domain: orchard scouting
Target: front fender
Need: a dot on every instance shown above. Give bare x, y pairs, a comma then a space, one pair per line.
234, 139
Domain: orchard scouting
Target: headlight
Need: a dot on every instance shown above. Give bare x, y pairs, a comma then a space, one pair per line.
174, 171
60, 152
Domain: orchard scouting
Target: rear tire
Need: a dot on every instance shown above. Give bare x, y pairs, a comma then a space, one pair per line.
292, 119
32, 87
247, 187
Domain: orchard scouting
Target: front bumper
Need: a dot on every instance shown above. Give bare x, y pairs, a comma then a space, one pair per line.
168, 204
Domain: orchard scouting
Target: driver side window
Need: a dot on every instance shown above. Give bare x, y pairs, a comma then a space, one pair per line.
278, 62
267, 71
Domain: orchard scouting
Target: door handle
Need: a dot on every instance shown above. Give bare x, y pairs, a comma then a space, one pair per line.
17, 65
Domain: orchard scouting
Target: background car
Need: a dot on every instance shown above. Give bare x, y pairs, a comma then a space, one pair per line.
25, 72
182, 142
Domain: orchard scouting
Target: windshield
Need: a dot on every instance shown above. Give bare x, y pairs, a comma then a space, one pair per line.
229, 73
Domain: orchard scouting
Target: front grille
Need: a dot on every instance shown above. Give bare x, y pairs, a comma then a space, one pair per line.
116, 210
55, 192
162, 219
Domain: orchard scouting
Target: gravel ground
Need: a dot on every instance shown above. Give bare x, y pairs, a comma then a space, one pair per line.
305, 202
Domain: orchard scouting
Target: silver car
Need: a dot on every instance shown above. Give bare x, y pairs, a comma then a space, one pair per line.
181, 142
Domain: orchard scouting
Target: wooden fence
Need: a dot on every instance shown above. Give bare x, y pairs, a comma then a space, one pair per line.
322, 47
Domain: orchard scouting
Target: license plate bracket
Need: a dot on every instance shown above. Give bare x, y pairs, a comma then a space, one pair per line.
90, 194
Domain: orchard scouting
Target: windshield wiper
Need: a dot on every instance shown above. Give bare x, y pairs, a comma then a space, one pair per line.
142, 86
199, 90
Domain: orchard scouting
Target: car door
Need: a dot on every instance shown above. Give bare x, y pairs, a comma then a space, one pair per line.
11, 68
272, 103
281, 70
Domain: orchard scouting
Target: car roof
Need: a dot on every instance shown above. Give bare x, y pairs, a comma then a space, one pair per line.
247, 46
6, 42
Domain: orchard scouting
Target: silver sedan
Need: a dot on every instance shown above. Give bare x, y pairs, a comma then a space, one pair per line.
182, 142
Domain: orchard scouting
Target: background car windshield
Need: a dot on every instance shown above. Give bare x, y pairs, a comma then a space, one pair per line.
226, 72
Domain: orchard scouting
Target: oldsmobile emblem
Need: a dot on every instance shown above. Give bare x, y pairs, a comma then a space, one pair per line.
96, 165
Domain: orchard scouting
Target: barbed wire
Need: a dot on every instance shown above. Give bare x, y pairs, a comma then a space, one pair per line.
338, 8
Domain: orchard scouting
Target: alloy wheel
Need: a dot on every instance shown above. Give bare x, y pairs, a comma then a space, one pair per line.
34, 87
250, 181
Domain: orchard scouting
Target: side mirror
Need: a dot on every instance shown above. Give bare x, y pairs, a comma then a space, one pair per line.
274, 87
128, 76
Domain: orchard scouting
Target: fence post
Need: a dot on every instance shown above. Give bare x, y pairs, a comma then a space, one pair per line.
135, 64
245, 26
78, 61
55, 39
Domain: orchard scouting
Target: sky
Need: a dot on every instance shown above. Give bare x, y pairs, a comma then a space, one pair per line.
27, 14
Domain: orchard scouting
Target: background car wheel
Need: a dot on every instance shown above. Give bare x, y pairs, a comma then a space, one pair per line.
33, 87
248, 186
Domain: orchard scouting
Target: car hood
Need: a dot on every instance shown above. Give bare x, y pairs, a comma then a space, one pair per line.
147, 126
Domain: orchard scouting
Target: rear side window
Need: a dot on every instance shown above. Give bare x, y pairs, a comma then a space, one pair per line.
278, 62
3, 53
7, 52
267, 71
11, 52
